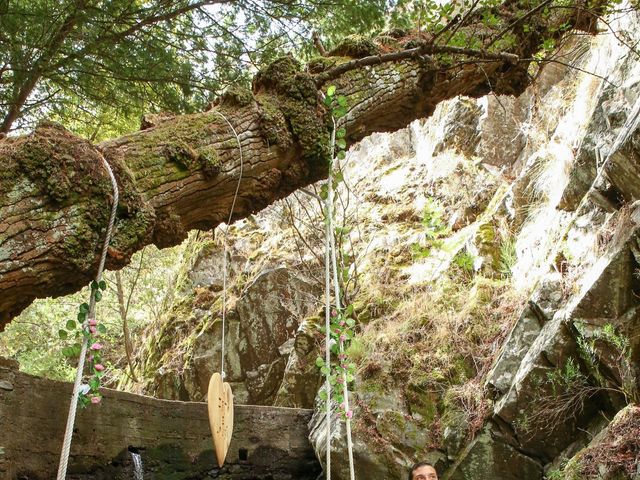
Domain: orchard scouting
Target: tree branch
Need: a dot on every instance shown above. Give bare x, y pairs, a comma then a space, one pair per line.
318, 44
412, 53
181, 173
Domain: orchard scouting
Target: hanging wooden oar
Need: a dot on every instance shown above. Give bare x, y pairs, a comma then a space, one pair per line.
220, 396
220, 407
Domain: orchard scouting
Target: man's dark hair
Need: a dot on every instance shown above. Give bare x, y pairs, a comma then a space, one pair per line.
417, 466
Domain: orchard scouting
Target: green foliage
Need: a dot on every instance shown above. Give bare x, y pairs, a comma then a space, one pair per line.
83, 63
435, 229
425, 14
435, 344
98, 67
337, 104
619, 341
340, 370
464, 260
357, 350
96, 121
34, 340
564, 389
564, 379
554, 475
419, 252
589, 349
508, 256
432, 219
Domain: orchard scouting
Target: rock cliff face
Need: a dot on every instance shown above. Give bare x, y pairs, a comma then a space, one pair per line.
265, 330
497, 261
539, 195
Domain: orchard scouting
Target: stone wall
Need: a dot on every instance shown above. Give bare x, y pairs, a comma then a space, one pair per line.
172, 437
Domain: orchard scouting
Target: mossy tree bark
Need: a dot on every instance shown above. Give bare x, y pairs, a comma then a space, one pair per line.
181, 172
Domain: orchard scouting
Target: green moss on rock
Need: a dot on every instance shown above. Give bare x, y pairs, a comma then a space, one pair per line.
422, 402
356, 46
237, 96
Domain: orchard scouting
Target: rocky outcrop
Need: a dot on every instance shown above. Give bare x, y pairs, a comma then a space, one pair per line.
172, 437
556, 219
562, 366
490, 456
268, 348
271, 311
613, 454
300, 381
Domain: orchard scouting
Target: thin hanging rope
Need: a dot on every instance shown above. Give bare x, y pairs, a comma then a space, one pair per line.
327, 326
71, 418
336, 286
224, 257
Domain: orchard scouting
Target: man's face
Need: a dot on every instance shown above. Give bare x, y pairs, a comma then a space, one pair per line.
425, 473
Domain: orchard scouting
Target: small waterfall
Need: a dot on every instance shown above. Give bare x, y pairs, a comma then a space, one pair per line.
138, 472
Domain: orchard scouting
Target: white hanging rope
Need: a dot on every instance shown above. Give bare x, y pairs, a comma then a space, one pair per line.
330, 259
336, 287
66, 446
327, 326
225, 247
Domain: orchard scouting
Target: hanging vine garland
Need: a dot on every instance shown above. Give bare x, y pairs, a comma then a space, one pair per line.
89, 328
338, 327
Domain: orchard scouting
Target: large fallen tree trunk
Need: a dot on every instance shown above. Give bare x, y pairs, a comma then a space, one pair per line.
180, 172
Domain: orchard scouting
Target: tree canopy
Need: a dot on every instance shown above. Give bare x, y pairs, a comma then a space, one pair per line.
95, 64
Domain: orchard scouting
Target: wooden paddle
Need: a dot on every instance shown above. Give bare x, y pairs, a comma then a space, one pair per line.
220, 407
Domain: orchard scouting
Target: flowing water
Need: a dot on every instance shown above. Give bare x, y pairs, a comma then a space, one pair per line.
138, 472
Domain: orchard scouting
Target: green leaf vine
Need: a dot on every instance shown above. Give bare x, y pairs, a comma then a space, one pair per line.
87, 327
340, 370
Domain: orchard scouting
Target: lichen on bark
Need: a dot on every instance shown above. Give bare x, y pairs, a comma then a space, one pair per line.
68, 172
294, 93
